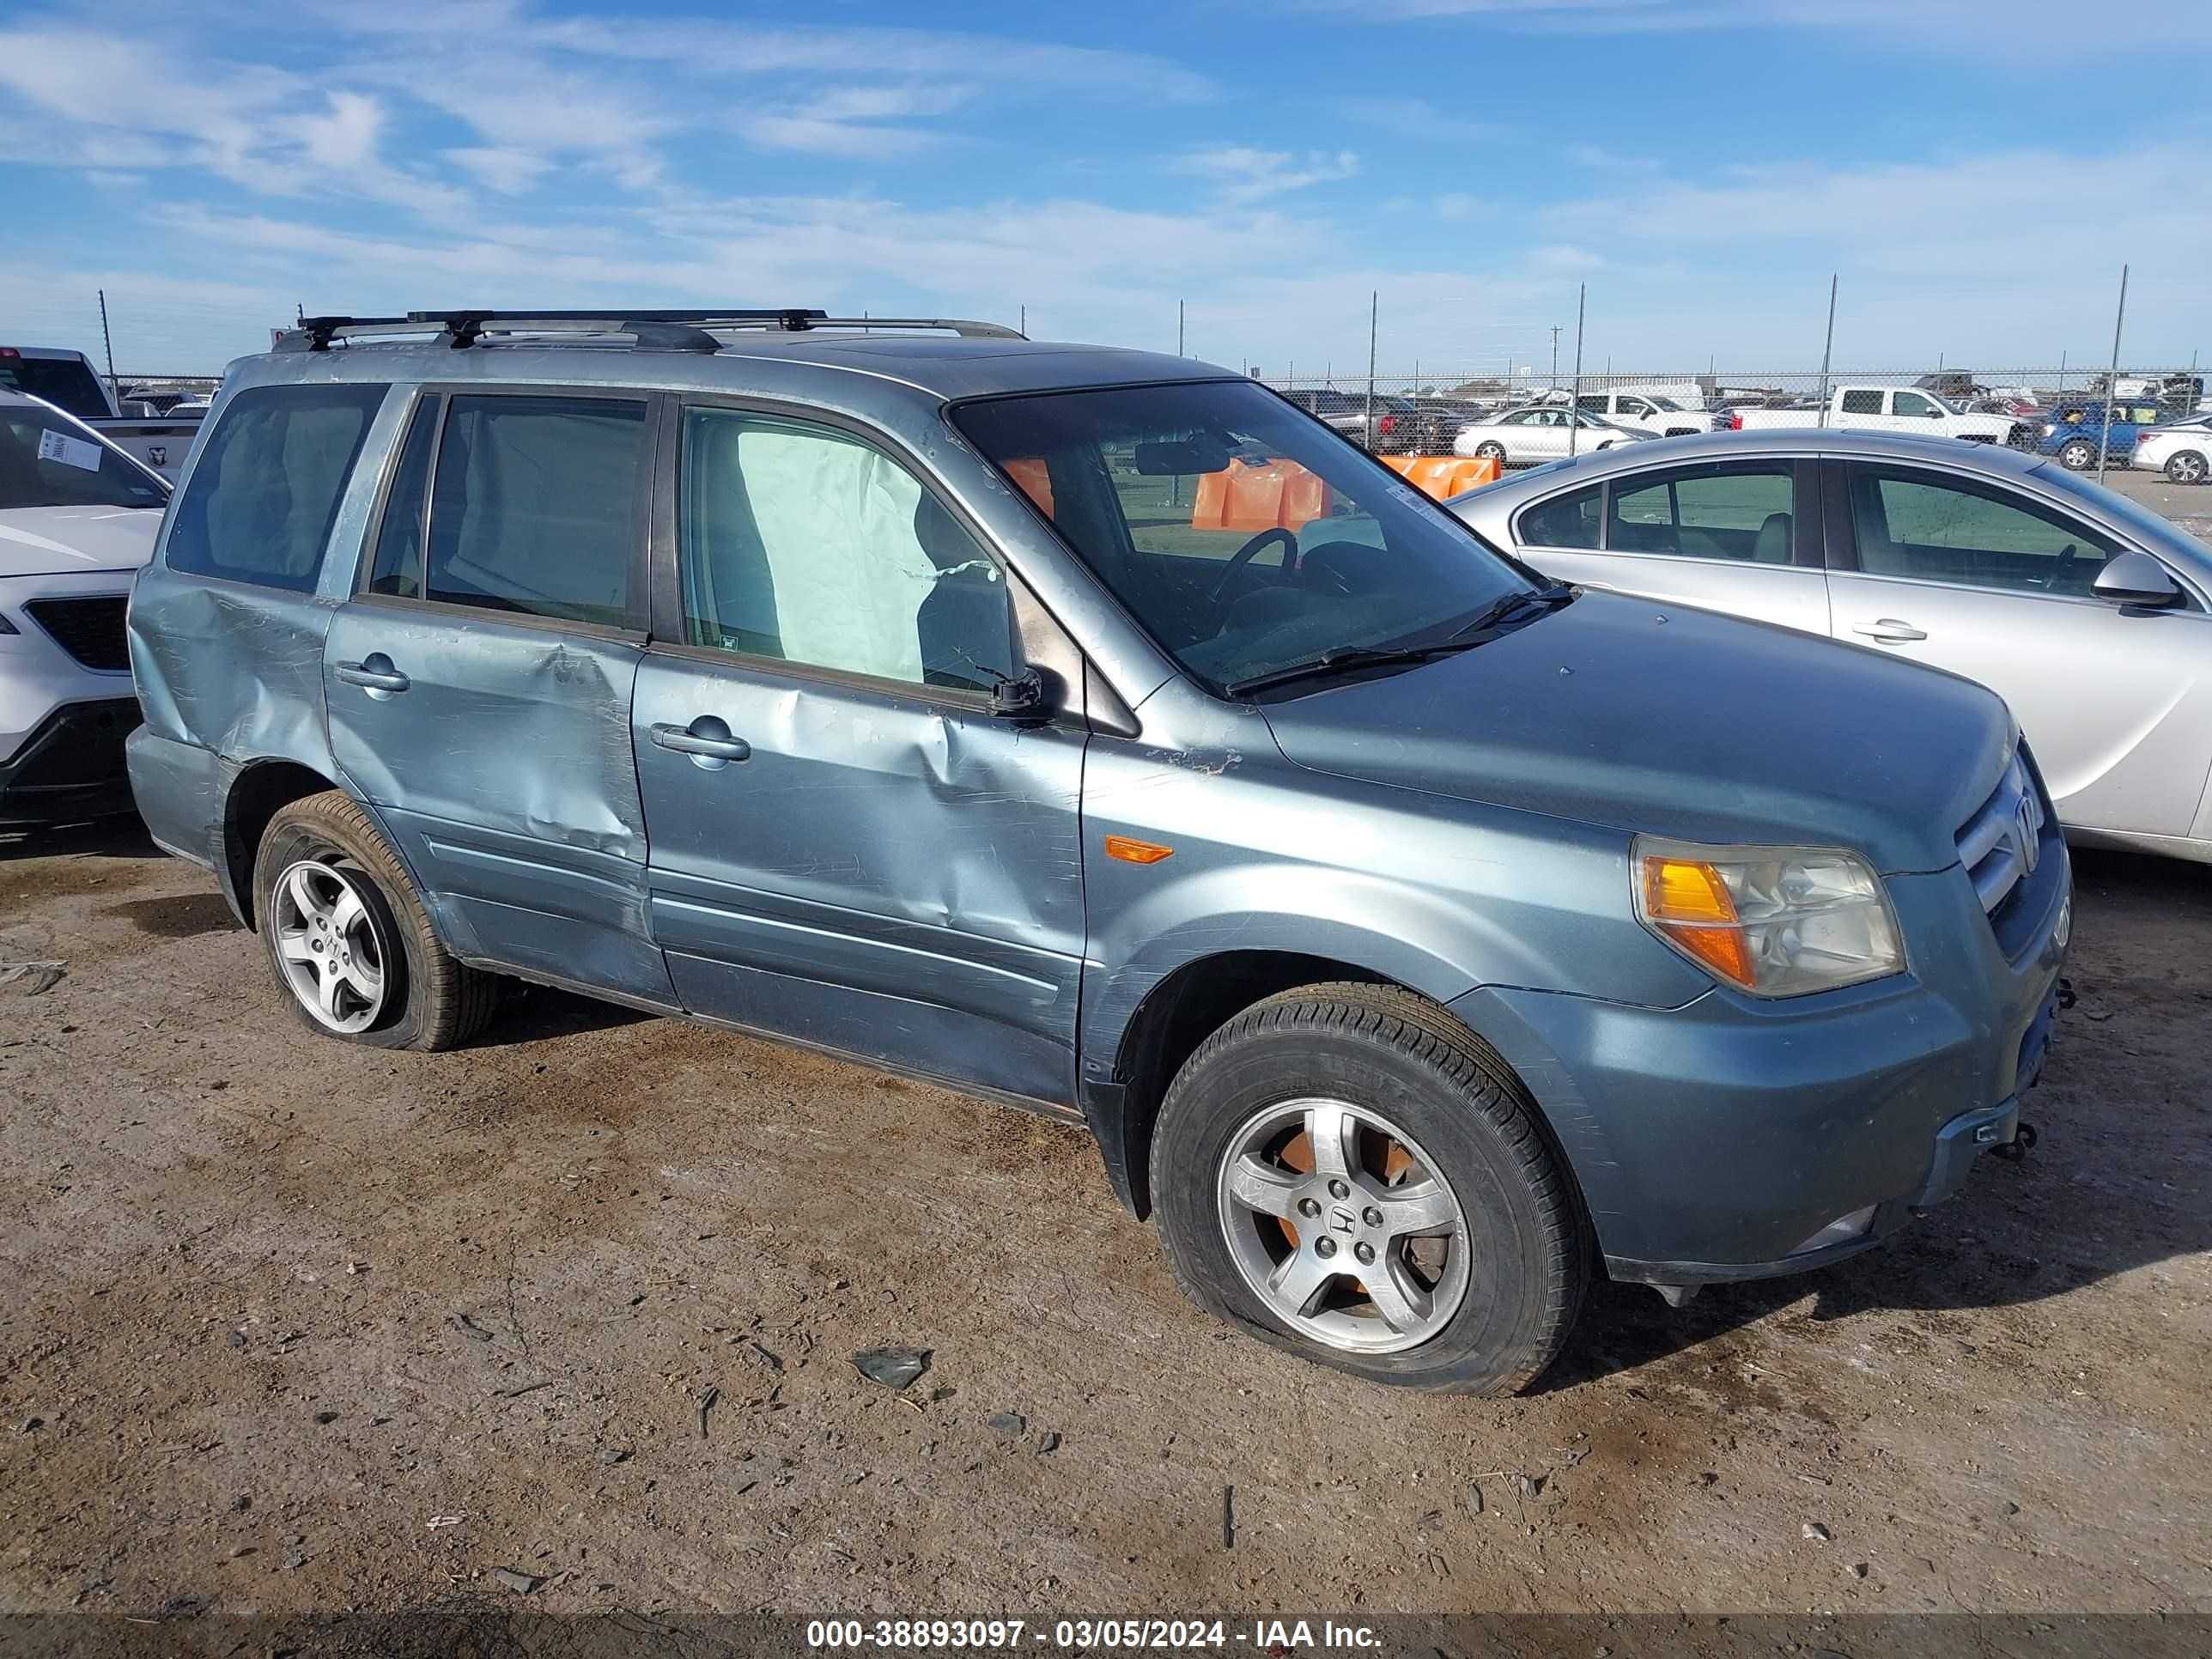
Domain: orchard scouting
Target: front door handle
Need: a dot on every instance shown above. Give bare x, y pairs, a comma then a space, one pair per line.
373, 673
706, 740
1889, 628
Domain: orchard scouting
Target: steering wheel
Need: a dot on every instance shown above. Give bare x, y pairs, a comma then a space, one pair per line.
1244, 556
1319, 563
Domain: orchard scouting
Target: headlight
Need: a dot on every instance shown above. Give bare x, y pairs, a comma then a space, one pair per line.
1778, 921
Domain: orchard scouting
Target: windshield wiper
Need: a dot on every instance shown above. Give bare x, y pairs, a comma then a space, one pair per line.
1350, 656
1499, 611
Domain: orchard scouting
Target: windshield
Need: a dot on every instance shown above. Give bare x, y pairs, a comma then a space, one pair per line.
1245, 538
64, 382
1666, 403
2154, 529
46, 461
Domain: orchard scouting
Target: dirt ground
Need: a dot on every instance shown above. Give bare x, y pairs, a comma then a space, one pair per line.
286, 1325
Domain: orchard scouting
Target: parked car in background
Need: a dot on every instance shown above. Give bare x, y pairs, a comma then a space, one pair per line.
1889, 409
1396, 427
2070, 430
77, 519
1437, 423
65, 379
2092, 616
1524, 437
2182, 449
1413, 935
1661, 417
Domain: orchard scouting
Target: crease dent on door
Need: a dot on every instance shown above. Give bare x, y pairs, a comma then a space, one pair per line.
508, 734
2064, 783
975, 882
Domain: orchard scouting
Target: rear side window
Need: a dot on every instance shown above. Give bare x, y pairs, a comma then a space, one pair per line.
67, 383
535, 508
265, 489
1570, 520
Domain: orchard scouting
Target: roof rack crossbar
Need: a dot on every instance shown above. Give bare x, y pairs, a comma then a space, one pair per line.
684, 329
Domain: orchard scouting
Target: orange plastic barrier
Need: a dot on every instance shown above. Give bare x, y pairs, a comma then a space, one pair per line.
1443, 476
1030, 472
1280, 495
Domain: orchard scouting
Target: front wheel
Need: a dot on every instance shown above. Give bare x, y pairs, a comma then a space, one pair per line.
1491, 450
2187, 466
1346, 1171
2077, 455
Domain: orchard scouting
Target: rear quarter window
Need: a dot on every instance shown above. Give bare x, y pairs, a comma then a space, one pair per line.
265, 491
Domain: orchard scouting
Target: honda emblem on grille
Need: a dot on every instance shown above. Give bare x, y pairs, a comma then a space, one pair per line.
2024, 837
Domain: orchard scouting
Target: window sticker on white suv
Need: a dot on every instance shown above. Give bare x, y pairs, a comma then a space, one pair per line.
70, 452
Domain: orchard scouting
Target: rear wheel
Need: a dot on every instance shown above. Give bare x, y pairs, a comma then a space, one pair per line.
349, 941
2077, 455
1346, 1171
2187, 466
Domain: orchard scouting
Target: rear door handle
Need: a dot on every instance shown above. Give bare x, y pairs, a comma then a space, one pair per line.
1888, 628
375, 673
713, 743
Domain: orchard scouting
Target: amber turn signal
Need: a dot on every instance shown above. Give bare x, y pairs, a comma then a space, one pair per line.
1131, 851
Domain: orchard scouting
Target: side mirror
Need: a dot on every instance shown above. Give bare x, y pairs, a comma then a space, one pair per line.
1020, 699
2133, 578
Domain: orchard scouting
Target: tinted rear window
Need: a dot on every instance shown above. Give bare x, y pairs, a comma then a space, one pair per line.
264, 494
64, 382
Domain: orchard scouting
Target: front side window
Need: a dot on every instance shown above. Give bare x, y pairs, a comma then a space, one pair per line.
535, 508
801, 542
1567, 521
1244, 540
265, 489
1970, 534
1911, 403
1741, 511
46, 461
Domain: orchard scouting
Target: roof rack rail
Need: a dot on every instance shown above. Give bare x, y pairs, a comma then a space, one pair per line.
678, 329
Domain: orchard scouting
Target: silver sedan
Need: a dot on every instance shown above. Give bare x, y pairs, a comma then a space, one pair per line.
2092, 616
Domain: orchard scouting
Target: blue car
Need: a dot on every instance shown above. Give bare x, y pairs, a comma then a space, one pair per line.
2070, 430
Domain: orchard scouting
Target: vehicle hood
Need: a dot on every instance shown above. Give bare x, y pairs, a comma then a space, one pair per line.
38, 541
1644, 717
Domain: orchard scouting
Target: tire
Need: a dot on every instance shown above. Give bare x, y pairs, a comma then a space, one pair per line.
418, 995
1491, 450
2187, 466
1520, 1260
2077, 455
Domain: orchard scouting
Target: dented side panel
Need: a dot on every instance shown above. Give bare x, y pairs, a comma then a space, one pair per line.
896, 876
504, 771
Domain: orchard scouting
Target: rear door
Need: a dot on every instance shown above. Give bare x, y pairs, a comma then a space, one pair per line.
1965, 574
479, 678
848, 848
1739, 536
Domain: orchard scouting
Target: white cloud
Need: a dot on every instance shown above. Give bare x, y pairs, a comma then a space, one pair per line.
510, 172
1243, 175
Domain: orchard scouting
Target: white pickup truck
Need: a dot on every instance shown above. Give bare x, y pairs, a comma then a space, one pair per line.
65, 379
1891, 409
1652, 411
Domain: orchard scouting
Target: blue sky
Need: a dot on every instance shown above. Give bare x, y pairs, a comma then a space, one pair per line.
1976, 172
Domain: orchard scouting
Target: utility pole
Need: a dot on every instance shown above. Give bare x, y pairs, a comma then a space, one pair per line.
1575, 409
2113, 381
1555, 356
113, 389
1374, 311
1827, 351
1025, 330
1178, 328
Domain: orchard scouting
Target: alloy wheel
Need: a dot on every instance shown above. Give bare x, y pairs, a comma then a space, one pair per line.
1342, 1225
329, 946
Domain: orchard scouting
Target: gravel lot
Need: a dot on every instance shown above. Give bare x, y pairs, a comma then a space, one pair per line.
289, 1326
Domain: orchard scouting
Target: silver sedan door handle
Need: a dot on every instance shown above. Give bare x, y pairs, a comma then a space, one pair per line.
1888, 628
707, 745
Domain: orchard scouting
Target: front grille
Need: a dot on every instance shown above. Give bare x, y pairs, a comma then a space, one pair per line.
90, 629
2011, 850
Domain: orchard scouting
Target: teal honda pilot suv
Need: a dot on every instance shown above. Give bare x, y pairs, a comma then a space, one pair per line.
1097, 731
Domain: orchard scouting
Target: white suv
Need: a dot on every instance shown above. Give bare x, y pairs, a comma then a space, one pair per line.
77, 519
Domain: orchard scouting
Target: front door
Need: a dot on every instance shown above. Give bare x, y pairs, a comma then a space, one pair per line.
479, 679
848, 848
1967, 574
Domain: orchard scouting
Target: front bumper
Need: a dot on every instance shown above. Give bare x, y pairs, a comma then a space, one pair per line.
1724, 1139
70, 765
